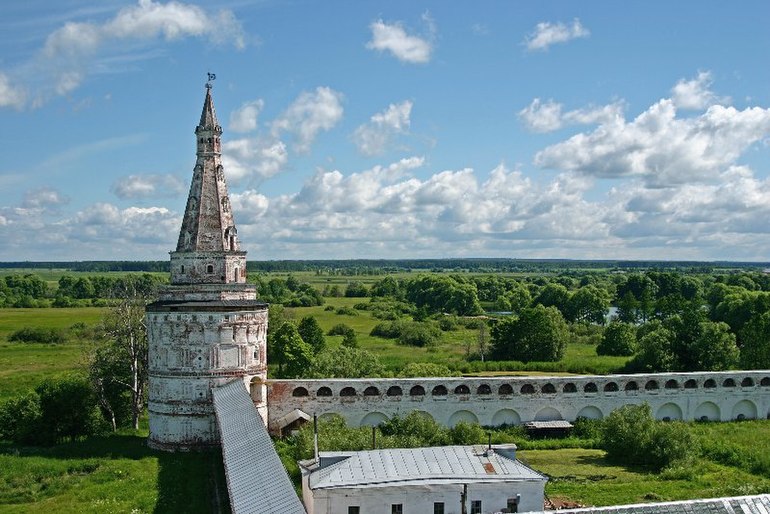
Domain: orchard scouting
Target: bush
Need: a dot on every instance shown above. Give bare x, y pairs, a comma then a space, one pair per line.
340, 329
38, 335
426, 369
20, 419
419, 334
630, 435
346, 311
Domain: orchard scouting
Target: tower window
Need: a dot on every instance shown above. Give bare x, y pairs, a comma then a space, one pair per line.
210, 268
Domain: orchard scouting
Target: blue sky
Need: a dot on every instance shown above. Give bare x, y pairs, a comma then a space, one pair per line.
610, 130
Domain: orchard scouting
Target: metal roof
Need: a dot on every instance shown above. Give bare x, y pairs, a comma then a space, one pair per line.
559, 423
400, 466
759, 504
256, 479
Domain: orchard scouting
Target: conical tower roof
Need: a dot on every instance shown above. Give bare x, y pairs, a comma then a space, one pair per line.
208, 224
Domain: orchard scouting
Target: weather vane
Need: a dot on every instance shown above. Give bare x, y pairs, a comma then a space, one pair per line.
212, 77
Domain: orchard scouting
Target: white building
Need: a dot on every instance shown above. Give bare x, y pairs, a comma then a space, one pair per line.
434, 480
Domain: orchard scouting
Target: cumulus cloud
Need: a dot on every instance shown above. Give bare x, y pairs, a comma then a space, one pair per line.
148, 186
547, 116
660, 147
373, 137
393, 38
309, 114
44, 198
71, 50
696, 93
254, 158
547, 34
244, 119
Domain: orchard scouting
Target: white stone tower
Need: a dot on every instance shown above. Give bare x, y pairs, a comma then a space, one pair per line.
207, 328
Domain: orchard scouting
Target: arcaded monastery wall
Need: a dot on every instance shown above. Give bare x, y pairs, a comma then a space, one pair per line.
494, 401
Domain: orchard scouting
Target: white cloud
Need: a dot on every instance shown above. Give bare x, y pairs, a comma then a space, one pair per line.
244, 119
695, 94
374, 137
547, 34
309, 114
547, 116
44, 198
10, 95
660, 147
254, 158
405, 47
148, 186
70, 51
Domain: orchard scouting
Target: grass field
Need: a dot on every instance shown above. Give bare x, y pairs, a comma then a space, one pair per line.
115, 473
24, 365
584, 476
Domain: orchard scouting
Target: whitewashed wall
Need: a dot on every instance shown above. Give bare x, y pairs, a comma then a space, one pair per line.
715, 396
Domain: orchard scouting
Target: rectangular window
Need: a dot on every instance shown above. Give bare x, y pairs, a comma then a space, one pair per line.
397, 508
438, 508
354, 509
476, 507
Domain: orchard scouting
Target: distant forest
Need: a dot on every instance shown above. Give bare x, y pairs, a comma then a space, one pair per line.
380, 266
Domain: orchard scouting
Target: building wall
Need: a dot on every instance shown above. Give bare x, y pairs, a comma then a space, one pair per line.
419, 499
190, 353
715, 396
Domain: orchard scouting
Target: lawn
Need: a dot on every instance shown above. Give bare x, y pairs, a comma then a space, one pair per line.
584, 476
24, 365
116, 473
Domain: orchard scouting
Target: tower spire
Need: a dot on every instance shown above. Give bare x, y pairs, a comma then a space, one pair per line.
208, 228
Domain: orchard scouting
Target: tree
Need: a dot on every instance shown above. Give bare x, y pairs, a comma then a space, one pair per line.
619, 338
125, 337
655, 353
20, 419
67, 408
537, 334
554, 295
293, 355
755, 338
345, 362
714, 348
312, 334
588, 304
356, 290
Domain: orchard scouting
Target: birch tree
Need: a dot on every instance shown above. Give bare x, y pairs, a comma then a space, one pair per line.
119, 366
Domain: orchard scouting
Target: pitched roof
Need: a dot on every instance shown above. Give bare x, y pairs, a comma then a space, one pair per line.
424, 465
256, 479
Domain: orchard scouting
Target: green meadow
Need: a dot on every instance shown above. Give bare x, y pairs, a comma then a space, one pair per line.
118, 473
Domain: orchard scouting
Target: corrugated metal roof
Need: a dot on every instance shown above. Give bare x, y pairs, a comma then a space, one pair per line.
548, 424
256, 479
424, 465
759, 504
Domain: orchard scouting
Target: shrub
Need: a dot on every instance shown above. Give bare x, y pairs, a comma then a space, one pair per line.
340, 329
419, 334
346, 311
38, 335
20, 419
426, 369
630, 435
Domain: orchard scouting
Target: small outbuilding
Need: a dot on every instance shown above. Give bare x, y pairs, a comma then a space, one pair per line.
438, 480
